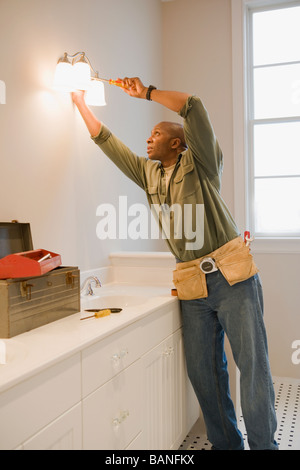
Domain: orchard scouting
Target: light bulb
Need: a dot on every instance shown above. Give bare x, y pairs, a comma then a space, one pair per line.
63, 78
81, 75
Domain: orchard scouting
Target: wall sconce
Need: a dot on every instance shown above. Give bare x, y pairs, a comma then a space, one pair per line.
2, 92
75, 72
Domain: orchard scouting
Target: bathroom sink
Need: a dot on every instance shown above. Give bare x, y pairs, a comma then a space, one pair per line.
115, 301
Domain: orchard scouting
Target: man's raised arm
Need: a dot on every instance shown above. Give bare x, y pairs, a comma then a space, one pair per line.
92, 123
173, 100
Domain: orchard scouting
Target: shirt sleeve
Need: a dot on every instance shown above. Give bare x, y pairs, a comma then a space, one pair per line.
200, 137
126, 160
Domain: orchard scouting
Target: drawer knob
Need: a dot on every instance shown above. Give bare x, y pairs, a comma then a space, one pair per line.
118, 356
119, 420
168, 351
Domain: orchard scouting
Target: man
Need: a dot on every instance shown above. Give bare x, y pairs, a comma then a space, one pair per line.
216, 278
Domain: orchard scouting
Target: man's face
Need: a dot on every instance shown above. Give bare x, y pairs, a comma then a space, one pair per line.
159, 143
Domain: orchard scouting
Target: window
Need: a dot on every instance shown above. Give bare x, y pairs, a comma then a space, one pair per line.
273, 118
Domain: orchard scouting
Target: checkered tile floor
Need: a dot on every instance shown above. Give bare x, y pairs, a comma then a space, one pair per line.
287, 406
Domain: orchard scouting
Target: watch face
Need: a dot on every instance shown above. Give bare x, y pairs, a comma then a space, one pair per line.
207, 266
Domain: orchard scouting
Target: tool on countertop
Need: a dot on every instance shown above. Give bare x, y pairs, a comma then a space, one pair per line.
100, 313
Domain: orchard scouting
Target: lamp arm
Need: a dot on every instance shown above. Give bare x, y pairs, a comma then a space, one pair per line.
74, 55
86, 58
96, 77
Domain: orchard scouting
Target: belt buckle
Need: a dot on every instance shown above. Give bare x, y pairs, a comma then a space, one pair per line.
208, 266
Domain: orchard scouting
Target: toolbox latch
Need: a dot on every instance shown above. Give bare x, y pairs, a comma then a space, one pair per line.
26, 290
70, 279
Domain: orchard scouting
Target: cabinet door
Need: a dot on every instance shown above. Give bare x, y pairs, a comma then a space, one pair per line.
31, 405
63, 434
112, 414
164, 394
153, 372
174, 391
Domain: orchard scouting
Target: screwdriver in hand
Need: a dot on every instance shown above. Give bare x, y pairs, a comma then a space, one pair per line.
117, 82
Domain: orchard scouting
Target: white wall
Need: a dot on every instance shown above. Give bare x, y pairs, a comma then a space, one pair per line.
281, 281
51, 173
198, 57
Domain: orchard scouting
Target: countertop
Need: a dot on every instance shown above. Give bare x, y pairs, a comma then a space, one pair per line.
31, 352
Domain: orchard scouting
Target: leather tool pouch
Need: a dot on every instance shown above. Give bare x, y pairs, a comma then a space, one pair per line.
190, 281
233, 259
236, 262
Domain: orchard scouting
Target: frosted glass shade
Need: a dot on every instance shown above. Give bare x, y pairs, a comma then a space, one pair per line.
63, 78
95, 95
81, 76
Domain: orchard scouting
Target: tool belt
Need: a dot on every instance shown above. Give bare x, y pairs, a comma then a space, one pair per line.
233, 259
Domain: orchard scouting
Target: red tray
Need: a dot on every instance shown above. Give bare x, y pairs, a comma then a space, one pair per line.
28, 264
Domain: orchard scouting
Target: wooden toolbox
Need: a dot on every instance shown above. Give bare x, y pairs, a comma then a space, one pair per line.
30, 302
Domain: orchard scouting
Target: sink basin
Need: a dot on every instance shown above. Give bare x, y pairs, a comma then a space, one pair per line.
117, 301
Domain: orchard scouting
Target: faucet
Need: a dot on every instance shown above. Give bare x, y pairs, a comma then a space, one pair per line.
86, 288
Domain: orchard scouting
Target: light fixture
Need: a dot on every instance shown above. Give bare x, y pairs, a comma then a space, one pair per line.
95, 93
73, 72
63, 78
81, 73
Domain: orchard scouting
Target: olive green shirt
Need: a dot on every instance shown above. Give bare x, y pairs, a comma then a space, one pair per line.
191, 213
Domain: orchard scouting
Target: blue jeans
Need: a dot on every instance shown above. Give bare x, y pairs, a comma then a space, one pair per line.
238, 311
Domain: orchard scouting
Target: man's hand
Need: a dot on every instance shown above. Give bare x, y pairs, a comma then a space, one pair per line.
134, 87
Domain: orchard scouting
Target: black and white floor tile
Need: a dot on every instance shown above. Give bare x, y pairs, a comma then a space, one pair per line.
287, 406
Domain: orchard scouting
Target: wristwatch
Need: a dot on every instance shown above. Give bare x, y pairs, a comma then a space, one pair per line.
148, 95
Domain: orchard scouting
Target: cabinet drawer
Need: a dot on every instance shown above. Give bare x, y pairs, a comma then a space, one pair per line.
159, 325
105, 359
28, 407
112, 414
64, 433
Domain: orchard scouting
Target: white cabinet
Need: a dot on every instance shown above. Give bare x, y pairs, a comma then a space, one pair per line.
164, 378
125, 391
65, 433
33, 404
112, 414
144, 404
106, 358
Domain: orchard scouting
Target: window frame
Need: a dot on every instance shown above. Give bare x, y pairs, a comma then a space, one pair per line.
243, 123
